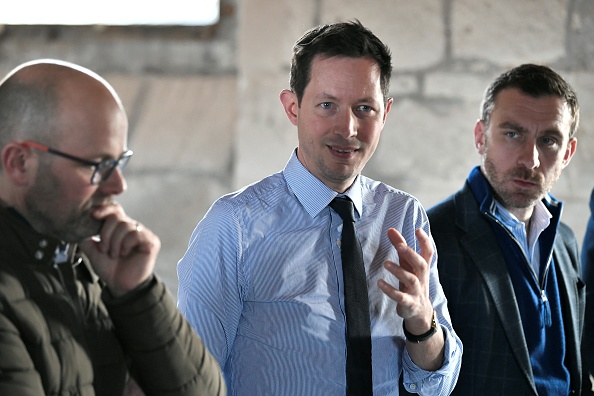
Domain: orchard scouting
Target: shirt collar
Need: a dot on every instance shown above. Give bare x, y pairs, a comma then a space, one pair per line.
540, 219
312, 193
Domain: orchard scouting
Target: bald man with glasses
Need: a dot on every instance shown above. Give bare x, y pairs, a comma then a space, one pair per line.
81, 310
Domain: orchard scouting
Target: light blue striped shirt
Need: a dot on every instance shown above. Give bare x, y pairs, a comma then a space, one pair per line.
261, 282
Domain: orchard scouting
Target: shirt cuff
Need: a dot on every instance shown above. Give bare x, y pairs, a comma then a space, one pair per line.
417, 380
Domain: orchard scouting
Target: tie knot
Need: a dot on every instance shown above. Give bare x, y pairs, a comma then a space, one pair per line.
344, 207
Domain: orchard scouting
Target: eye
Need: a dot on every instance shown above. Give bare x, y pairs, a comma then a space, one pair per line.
549, 141
364, 108
326, 105
511, 134
106, 164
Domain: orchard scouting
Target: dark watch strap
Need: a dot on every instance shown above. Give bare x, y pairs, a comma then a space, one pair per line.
421, 337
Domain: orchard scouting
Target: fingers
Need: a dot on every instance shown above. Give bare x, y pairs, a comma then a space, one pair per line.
119, 234
407, 303
409, 259
124, 253
119, 239
398, 295
395, 237
426, 245
407, 279
412, 272
389, 290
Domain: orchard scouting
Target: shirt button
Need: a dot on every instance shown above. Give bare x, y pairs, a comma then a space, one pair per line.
412, 387
39, 255
43, 243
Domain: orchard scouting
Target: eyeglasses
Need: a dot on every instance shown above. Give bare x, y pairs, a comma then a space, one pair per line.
101, 170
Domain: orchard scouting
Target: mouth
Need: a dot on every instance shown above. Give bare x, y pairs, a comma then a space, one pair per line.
343, 151
525, 183
526, 179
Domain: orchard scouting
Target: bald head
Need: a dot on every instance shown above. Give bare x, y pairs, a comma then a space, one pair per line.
58, 122
38, 97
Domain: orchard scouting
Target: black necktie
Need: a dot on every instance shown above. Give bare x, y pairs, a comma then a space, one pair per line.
356, 301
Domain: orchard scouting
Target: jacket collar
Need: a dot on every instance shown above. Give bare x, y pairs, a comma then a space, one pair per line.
26, 242
482, 247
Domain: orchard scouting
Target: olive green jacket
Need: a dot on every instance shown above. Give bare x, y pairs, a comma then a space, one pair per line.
61, 333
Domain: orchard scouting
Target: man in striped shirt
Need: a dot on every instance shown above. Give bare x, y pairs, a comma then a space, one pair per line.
262, 280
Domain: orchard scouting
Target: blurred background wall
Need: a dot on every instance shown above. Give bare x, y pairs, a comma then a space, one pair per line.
205, 118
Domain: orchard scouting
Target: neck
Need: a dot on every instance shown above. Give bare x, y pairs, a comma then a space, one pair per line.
523, 214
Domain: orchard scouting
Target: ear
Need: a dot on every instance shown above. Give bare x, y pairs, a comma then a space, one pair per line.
289, 101
18, 163
479, 136
388, 108
569, 151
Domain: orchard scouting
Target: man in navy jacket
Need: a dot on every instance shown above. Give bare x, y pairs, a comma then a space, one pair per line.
508, 265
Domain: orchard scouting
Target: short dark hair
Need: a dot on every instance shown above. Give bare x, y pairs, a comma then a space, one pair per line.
536, 81
349, 39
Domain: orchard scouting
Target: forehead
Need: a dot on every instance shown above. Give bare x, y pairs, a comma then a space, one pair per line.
512, 105
342, 76
93, 125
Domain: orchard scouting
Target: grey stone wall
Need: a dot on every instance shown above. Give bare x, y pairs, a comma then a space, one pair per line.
206, 118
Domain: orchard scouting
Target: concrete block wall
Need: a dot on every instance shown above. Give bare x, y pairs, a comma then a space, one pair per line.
205, 115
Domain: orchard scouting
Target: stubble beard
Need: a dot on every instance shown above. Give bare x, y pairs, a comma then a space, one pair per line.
46, 214
338, 175
511, 197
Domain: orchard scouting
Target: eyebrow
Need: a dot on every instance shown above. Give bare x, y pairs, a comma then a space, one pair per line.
330, 97
512, 125
325, 96
518, 128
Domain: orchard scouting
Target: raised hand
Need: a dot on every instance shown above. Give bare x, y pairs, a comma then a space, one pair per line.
412, 297
414, 303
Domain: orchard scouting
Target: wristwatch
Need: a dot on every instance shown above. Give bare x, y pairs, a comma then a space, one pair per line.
421, 337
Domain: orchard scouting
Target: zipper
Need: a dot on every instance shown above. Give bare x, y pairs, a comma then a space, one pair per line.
69, 285
540, 283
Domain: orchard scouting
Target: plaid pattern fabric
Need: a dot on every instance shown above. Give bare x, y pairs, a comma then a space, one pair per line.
482, 302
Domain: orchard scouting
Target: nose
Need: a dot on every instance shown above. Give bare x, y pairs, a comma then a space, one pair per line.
346, 124
115, 184
529, 156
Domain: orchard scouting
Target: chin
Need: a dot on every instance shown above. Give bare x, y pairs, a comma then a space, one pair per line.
83, 231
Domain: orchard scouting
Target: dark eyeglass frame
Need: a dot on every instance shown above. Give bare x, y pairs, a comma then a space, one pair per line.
101, 170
